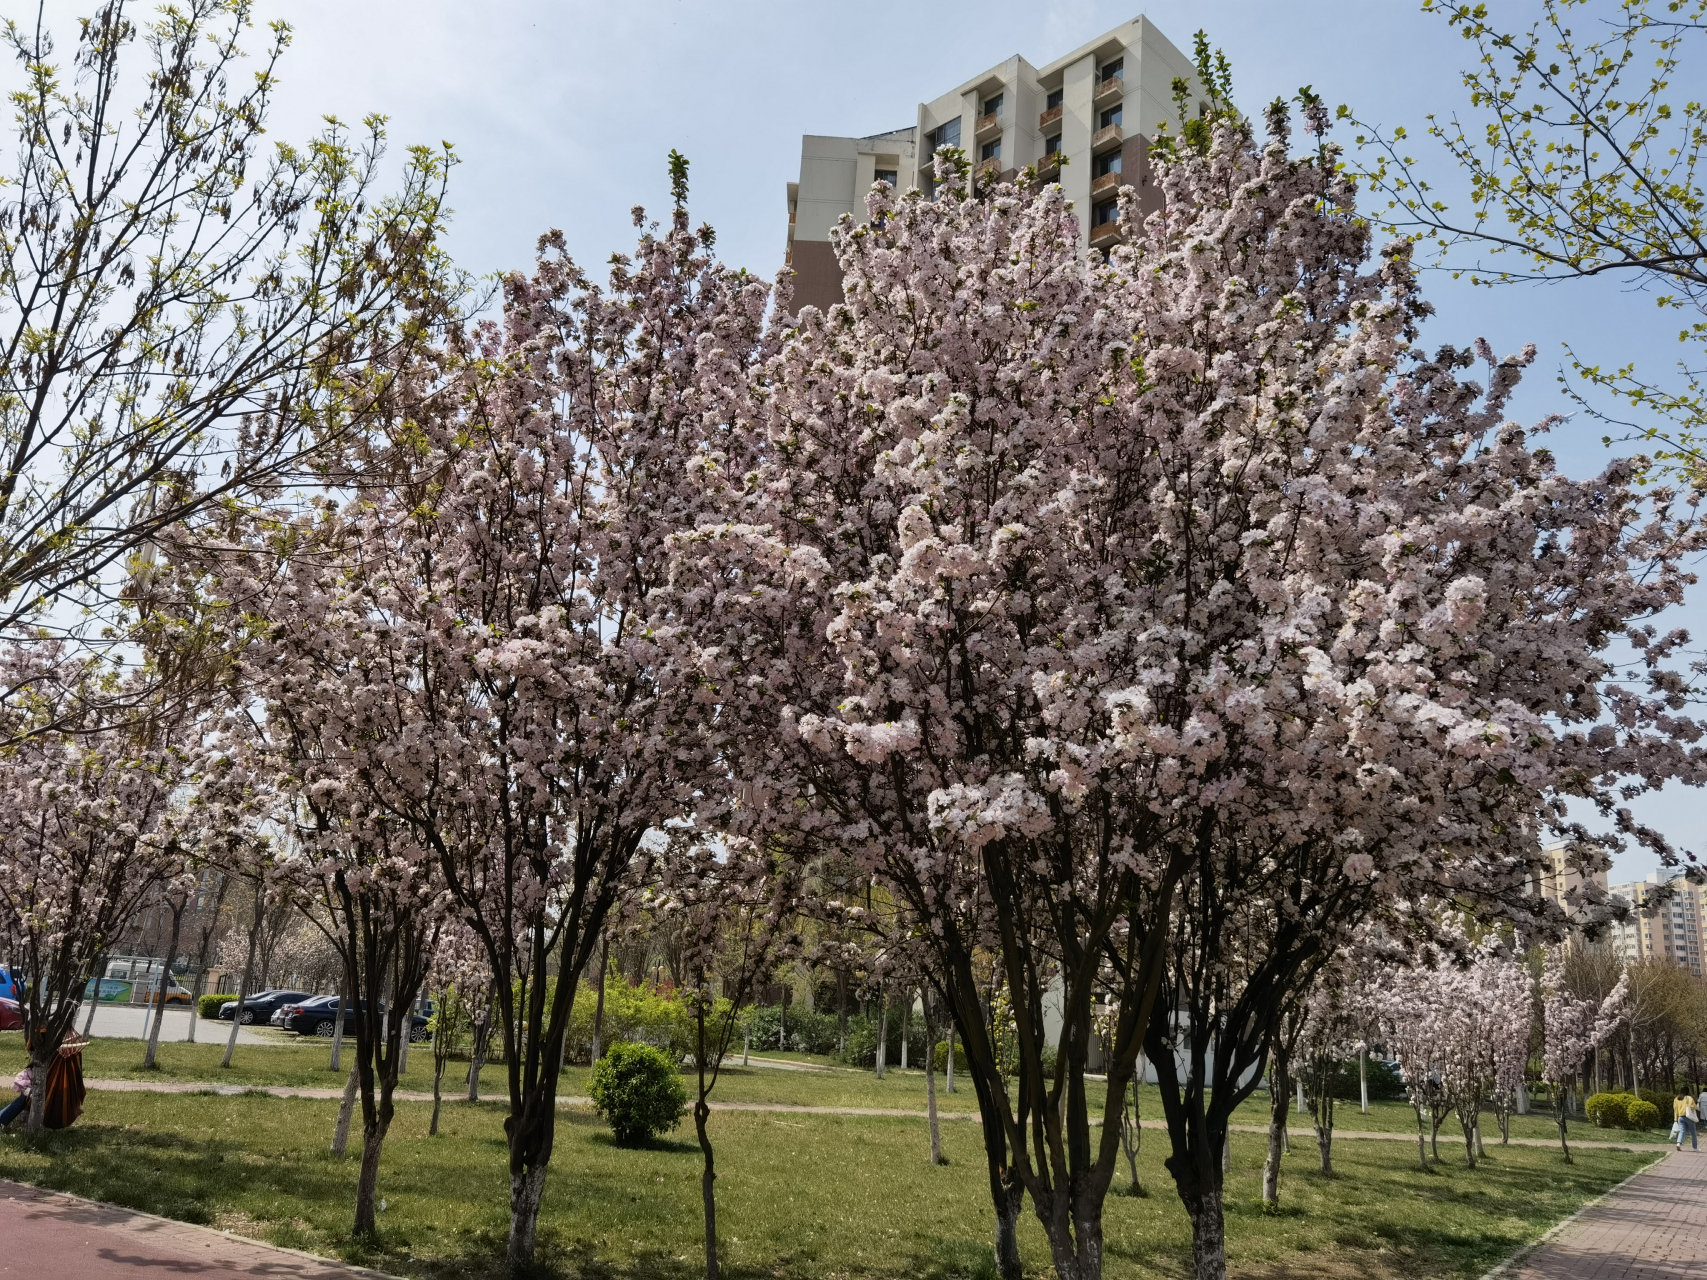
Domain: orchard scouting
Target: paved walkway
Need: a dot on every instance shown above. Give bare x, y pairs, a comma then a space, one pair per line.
1653, 1227
48, 1233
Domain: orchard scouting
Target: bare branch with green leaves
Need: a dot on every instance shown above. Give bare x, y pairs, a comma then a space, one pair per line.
179, 298
1583, 155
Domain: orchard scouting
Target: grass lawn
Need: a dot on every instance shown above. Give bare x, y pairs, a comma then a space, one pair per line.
800, 1196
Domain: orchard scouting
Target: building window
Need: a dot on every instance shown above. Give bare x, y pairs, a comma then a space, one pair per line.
948, 135
993, 106
1106, 212
884, 175
1055, 98
1111, 116
1109, 163
1052, 145
1115, 70
991, 150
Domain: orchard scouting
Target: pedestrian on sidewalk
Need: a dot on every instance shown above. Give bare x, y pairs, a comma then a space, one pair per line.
1684, 1112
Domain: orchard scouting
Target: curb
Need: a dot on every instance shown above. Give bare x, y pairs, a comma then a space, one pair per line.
1524, 1252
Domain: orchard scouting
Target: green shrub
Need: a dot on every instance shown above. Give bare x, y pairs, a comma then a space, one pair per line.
209, 1006
1384, 1082
1642, 1115
638, 1015
1661, 1099
1610, 1110
861, 1048
639, 1091
942, 1055
794, 1030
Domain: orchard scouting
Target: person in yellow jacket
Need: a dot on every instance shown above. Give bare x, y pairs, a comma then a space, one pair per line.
1684, 1113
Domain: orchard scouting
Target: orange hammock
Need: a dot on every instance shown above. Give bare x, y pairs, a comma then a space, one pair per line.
65, 1089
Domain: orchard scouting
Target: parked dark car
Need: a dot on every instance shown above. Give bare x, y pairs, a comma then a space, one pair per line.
11, 1019
261, 1006
319, 1017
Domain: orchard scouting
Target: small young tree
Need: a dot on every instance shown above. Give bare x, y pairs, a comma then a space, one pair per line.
729, 906
1328, 1039
1571, 1028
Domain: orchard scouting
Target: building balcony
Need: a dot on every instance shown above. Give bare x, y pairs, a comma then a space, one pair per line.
1050, 117
1106, 185
1108, 233
1106, 139
1108, 90
1049, 166
988, 126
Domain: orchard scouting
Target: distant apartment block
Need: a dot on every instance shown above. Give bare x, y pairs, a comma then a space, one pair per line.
1672, 932
1096, 108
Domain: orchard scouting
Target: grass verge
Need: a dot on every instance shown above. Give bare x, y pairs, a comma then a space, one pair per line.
801, 1196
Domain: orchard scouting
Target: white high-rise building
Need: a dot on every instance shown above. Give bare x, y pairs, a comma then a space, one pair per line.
1095, 108
1672, 932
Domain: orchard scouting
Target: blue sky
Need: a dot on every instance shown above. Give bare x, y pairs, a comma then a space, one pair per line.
563, 114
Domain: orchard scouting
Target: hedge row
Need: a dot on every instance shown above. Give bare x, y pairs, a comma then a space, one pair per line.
209, 1006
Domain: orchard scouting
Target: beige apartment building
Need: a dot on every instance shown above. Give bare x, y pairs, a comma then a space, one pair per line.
1673, 932
1095, 109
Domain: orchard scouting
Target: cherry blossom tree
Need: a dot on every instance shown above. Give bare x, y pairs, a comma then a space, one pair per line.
507, 704
729, 905
89, 828
1178, 615
1571, 1028
461, 984
1329, 1036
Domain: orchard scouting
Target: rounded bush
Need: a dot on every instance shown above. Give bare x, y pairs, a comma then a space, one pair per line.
1609, 1110
1642, 1115
639, 1092
209, 1006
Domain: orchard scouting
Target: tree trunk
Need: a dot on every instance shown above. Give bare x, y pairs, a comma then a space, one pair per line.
1208, 1237
1322, 1113
599, 1008
1363, 1078
89, 1018
1132, 1130
707, 1186
338, 1034
1422, 1149
906, 1024
1436, 1119
841, 1011
160, 991
1563, 1144
438, 1100
527, 1189
367, 1182
930, 1087
882, 1033
477, 1057
40, 1062
346, 1108
1007, 1202
1277, 1108
248, 972
196, 993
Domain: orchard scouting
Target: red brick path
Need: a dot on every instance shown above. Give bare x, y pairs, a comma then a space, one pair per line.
46, 1233
1654, 1227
